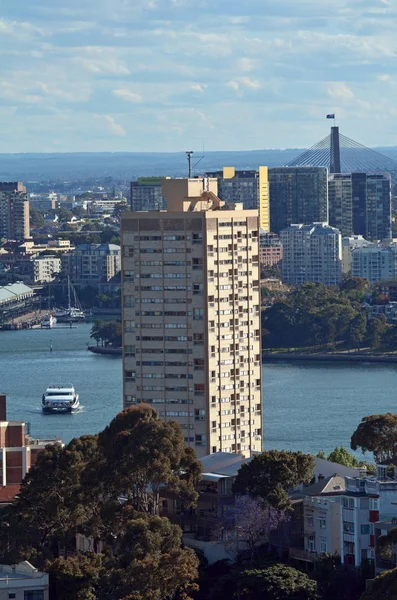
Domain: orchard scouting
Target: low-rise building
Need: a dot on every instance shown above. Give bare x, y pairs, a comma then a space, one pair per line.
375, 263
92, 264
23, 582
18, 453
45, 268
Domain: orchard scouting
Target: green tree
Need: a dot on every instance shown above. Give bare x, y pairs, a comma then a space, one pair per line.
271, 474
36, 218
64, 215
143, 453
377, 434
384, 587
75, 577
376, 329
278, 582
356, 330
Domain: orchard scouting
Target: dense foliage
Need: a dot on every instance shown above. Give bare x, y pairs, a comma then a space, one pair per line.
317, 315
377, 434
108, 333
384, 587
271, 474
343, 457
106, 488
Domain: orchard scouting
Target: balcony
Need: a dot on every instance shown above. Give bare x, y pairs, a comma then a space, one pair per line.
301, 554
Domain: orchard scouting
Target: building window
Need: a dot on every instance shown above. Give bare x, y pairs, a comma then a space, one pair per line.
348, 503
323, 524
348, 527
310, 521
365, 529
373, 504
33, 595
323, 545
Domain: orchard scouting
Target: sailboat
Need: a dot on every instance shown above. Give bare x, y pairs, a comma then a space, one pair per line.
49, 319
73, 312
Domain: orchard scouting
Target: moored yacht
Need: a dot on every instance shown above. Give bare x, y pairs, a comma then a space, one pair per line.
48, 321
60, 398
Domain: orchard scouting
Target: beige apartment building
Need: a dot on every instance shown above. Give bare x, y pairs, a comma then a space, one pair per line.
191, 316
14, 211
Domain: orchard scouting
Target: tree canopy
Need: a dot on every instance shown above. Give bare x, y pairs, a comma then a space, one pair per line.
383, 587
377, 434
272, 473
109, 333
107, 488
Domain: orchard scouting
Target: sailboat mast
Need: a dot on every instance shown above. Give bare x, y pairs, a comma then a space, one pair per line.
69, 305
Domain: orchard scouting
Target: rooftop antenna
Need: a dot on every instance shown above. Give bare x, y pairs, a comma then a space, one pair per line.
189, 162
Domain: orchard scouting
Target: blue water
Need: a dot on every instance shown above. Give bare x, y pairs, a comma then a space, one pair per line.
27, 367
307, 406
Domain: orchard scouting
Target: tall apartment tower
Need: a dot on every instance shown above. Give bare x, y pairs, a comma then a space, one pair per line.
360, 204
146, 194
311, 253
14, 211
297, 195
250, 187
191, 316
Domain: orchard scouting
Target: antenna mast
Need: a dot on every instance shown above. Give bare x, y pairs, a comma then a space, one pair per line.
189, 162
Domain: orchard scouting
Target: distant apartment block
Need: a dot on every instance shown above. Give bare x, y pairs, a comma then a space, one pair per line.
348, 245
191, 316
248, 187
297, 195
14, 211
146, 194
270, 249
311, 253
360, 204
375, 263
92, 264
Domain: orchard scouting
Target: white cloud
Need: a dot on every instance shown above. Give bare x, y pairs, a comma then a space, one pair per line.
112, 125
128, 96
340, 91
106, 66
198, 87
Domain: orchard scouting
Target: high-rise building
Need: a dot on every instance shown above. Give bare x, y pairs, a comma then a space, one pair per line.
250, 187
146, 194
311, 253
360, 204
191, 316
297, 195
14, 211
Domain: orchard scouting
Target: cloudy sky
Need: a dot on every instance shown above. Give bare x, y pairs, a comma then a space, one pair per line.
171, 75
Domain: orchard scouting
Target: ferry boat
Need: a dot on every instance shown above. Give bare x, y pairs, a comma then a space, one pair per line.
48, 321
60, 398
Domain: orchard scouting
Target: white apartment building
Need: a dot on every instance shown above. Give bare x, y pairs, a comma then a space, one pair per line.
23, 582
45, 268
311, 253
191, 316
375, 263
348, 245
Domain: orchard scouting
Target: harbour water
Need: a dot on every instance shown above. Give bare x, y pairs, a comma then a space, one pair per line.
307, 406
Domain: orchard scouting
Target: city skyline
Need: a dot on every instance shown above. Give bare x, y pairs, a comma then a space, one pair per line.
157, 75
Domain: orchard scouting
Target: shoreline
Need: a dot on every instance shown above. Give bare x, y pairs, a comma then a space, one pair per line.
103, 350
327, 357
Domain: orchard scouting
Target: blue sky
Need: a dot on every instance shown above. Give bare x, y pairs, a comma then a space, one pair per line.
170, 75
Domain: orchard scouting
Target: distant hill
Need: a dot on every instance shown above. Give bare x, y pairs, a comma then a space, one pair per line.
129, 165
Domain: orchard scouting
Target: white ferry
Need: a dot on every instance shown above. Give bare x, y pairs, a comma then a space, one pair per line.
60, 398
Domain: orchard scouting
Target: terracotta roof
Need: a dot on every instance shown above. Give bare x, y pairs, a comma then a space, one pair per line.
8, 492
